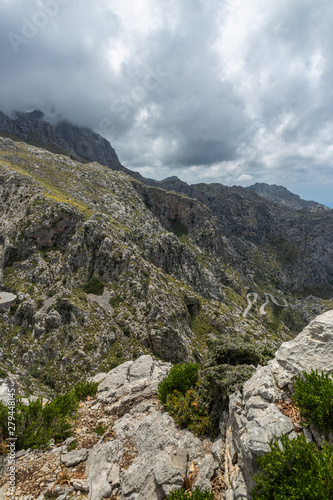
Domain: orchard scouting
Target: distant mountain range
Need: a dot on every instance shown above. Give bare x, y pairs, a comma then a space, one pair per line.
83, 144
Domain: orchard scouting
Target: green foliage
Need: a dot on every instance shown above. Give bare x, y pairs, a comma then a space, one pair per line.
178, 228
72, 446
115, 300
3, 373
229, 365
218, 383
84, 389
3, 422
36, 423
188, 411
298, 471
180, 378
94, 286
236, 351
313, 396
100, 429
190, 495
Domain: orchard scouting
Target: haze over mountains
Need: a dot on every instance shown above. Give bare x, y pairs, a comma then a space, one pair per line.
85, 144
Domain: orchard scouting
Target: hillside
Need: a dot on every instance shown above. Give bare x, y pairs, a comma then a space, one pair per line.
106, 268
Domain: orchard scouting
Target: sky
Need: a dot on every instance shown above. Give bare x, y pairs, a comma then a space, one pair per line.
230, 91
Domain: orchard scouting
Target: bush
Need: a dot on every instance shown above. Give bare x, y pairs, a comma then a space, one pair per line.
94, 286
298, 471
192, 495
188, 411
37, 424
3, 373
84, 389
180, 378
218, 383
236, 351
313, 396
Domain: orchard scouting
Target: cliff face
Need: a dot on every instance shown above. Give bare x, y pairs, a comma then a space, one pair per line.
63, 137
290, 249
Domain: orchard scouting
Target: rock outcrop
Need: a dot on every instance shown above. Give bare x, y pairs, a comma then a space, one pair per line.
255, 416
141, 454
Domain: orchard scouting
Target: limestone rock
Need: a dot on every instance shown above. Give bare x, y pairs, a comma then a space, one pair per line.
74, 457
254, 420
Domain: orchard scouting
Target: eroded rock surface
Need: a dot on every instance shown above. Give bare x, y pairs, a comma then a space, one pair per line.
255, 419
141, 455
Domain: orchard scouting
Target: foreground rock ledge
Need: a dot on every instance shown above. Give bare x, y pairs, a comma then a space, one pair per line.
142, 455
254, 419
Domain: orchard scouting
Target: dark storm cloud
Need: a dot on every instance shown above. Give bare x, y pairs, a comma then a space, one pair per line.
233, 91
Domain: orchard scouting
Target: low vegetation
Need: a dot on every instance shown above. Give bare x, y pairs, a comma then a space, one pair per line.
193, 495
298, 469
196, 399
39, 422
313, 396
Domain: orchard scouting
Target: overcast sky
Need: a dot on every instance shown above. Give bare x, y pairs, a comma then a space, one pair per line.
230, 91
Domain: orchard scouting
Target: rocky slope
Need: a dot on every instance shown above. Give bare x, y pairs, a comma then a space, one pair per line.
65, 138
282, 248
106, 269
141, 454
283, 242
281, 195
262, 411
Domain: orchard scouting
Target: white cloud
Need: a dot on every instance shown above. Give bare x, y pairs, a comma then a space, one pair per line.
225, 91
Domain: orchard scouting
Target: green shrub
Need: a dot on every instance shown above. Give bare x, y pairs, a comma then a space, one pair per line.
100, 429
298, 471
237, 351
3, 373
72, 446
3, 422
218, 382
37, 424
94, 286
313, 396
84, 389
230, 363
188, 411
190, 495
180, 378
115, 300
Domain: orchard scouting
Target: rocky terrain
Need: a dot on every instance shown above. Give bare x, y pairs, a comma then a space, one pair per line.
264, 409
141, 454
281, 195
102, 273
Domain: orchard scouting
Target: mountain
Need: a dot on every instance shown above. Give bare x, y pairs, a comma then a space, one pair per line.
64, 138
281, 195
272, 234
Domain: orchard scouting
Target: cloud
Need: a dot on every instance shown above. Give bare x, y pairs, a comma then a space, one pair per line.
215, 91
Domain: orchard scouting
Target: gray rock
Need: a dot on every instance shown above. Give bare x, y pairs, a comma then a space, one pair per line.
74, 457
206, 471
98, 466
254, 420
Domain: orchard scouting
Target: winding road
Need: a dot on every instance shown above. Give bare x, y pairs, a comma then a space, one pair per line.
250, 303
268, 297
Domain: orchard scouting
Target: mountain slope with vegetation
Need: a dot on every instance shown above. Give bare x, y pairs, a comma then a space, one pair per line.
106, 268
